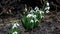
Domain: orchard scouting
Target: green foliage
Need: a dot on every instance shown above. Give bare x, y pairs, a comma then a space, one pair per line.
29, 25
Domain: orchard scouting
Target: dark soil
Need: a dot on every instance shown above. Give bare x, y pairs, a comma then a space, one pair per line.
49, 25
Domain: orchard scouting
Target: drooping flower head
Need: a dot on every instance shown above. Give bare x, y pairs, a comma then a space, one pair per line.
15, 32
47, 3
15, 25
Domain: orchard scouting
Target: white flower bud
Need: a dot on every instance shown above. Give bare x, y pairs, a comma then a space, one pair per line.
25, 9
47, 4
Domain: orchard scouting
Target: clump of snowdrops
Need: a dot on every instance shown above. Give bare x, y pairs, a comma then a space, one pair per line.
35, 16
15, 29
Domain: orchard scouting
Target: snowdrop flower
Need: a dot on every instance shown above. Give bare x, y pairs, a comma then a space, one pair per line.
47, 4
42, 16
34, 16
47, 8
29, 15
36, 20
47, 11
31, 21
41, 12
15, 25
36, 8
25, 7
15, 32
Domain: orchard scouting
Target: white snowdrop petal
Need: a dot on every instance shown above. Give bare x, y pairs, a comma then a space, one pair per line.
17, 24
36, 8
34, 16
14, 26
29, 15
41, 12
31, 21
42, 16
32, 11
36, 20
47, 8
47, 11
15, 32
